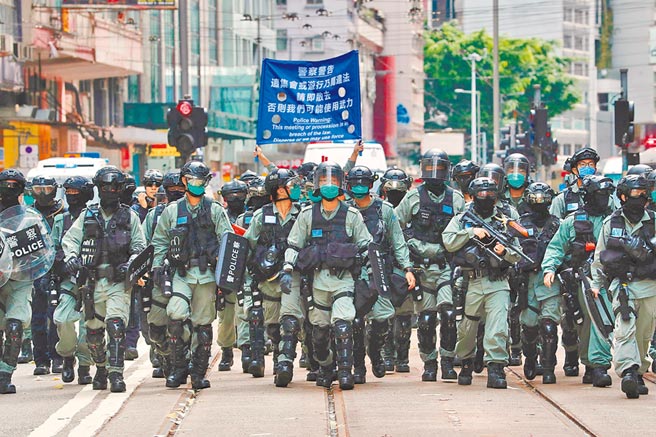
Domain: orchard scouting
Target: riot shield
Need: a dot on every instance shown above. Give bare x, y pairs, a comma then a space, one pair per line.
601, 315
29, 240
378, 270
231, 265
139, 266
5, 261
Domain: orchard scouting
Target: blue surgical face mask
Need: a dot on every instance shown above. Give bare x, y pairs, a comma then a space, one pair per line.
313, 198
516, 180
196, 190
653, 197
295, 193
329, 192
586, 171
359, 191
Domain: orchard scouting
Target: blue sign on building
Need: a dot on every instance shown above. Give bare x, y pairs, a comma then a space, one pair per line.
303, 101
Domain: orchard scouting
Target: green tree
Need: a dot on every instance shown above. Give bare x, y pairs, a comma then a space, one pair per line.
523, 63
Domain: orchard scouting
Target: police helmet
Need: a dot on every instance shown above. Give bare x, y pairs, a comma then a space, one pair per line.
539, 193
494, 172
584, 153
248, 176
110, 175
463, 173
44, 189
361, 175
234, 190
483, 187
306, 169
197, 170
325, 172
280, 177
130, 184
11, 174
152, 176
651, 177
633, 186
395, 179
595, 183
257, 188
172, 179
639, 169
435, 166
82, 184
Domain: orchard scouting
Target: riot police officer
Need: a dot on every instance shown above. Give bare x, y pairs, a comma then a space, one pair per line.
15, 310
484, 279
539, 305
79, 191
327, 239
581, 164
156, 318
152, 180
626, 254
234, 193
639, 169
462, 174
424, 213
394, 185
99, 245
44, 332
517, 168
275, 303
187, 235
569, 254
382, 224
128, 192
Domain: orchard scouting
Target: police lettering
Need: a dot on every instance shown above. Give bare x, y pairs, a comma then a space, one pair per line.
27, 249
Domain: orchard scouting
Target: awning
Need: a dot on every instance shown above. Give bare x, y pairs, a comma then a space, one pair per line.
138, 135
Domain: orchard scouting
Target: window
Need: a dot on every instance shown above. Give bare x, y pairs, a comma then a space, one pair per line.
580, 43
569, 13
281, 39
281, 2
317, 45
212, 42
314, 2
567, 41
567, 149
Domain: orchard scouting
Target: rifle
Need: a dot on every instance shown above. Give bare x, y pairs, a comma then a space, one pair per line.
518, 282
496, 236
459, 292
86, 282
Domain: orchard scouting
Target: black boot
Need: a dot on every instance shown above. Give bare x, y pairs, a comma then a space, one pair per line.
600, 377
100, 379
359, 369
178, 361
465, 377
448, 337
377, 338
427, 336
41, 369
6, 387
25, 355
402, 332
245, 357
84, 375
446, 366
389, 348
570, 340
529, 347
321, 348
116, 382
227, 359
325, 376
515, 358
642, 388
303, 361
200, 359
273, 334
571, 364
344, 351
68, 369
158, 372
630, 385
289, 330
587, 376
479, 363
549, 334
496, 377
256, 329
57, 365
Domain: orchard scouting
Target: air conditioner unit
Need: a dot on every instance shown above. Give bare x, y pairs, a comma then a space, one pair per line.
6, 44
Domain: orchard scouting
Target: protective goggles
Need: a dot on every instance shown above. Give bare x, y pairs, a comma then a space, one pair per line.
257, 191
395, 185
112, 187
43, 189
72, 191
638, 192
196, 182
12, 185
486, 195
538, 198
233, 197
153, 184
293, 182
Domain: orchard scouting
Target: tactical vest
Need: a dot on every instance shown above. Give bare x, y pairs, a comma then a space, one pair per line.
373, 219
615, 259
272, 232
582, 248
433, 217
51, 212
106, 243
535, 245
573, 201
324, 231
159, 209
194, 241
248, 216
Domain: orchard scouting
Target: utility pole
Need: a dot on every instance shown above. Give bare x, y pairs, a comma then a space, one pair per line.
537, 102
474, 57
183, 27
496, 98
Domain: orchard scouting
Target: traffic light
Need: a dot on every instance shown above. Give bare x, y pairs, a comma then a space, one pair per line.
624, 130
187, 127
540, 127
504, 142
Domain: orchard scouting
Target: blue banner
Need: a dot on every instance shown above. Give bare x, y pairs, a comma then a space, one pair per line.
303, 101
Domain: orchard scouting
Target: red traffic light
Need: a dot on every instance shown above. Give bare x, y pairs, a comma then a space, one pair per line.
185, 108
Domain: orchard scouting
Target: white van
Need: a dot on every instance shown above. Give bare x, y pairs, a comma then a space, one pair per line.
373, 155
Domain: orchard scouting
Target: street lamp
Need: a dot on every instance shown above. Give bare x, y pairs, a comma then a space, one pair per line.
476, 119
474, 58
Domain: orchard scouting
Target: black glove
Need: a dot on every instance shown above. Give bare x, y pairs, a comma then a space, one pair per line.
120, 273
285, 282
637, 249
73, 266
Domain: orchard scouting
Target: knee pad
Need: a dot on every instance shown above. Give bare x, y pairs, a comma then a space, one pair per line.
448, 316
342, 329
289, 326
426, 321
358, 325
176, 328
379, 327
321, 342
204, 335
157, 333
273, 332
530, 334
549, 330
403, 324
115, 328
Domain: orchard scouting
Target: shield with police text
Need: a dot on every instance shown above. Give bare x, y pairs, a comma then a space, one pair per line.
27, 235
139, 266
5, 261
378, 271
231, 265
601, 313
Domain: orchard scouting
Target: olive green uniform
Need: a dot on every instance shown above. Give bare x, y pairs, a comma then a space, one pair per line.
15, 303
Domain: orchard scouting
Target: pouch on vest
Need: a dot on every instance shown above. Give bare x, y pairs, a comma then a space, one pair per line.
365, 297
340, 255
309, 258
